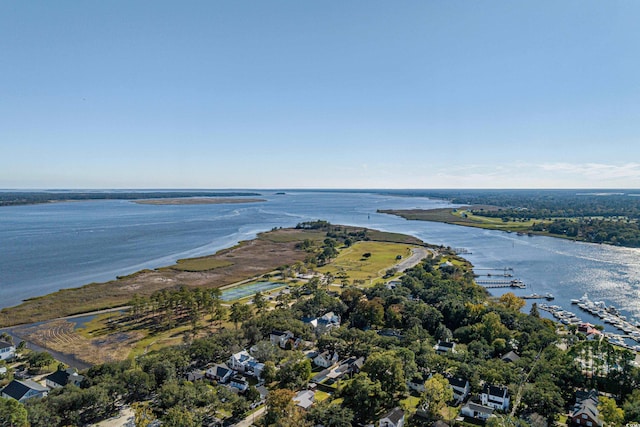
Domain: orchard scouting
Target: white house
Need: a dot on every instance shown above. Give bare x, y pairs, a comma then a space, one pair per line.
473, 410
496, 397
461, 388
23, 390
7, 350
61, 378
325, 323
394, 418
416, 384
280, 338
444, 347
244, 363
326, 359
239, 382
220, 373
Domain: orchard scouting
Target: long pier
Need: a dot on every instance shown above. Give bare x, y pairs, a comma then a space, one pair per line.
489, 284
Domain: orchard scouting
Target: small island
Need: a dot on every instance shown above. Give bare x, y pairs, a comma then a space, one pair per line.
17, 198
196, 201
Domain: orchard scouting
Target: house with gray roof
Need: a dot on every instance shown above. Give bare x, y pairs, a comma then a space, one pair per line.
219, 372
7, 350
585, 411
305, 399
23, 390
477, 411
61, 378
444, 347
394, 418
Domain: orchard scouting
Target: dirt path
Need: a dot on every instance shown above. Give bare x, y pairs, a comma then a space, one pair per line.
124, 419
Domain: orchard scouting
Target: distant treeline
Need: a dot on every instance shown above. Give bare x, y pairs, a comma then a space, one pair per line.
540, 204
30, 197
599, 216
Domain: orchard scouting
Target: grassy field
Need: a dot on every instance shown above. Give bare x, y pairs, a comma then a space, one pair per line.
358, 267
109, 336
464, 217
200, 264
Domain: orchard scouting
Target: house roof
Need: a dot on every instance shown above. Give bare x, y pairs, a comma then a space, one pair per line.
304, 398
242, 356
359, 362
510, 357
239, 379
62, 377
445, 344
264, 392
5, 345
479, 408
589, 408
458, 382
495, 390
417, 380
395, 415
221, 371
582, 395
17, 389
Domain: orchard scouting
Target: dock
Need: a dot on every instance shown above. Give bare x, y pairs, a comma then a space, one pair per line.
491, 284
548, 297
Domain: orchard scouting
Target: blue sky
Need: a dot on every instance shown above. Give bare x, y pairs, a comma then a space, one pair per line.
321, 94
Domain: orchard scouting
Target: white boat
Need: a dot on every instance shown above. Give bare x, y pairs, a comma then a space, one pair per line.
584, 299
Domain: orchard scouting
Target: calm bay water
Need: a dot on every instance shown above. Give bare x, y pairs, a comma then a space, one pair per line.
44, 248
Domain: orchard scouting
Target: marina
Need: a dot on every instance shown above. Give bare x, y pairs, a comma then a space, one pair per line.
609, 314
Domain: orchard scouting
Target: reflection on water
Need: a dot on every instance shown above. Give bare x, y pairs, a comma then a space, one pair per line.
48, 247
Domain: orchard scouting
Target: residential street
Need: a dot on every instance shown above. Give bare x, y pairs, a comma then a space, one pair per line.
247, 422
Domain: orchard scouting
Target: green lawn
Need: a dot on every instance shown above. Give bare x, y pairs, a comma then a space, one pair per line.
200, 264
352, 262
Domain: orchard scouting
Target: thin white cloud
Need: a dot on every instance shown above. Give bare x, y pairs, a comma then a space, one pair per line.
600, 171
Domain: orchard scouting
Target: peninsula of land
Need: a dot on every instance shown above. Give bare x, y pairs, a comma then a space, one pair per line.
595, 217
196, 201
16, 198
276, 249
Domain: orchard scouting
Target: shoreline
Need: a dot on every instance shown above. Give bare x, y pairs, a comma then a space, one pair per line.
445, 216
246, 259
195, 201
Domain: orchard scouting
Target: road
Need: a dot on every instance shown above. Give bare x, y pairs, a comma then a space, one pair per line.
247, 422
417, 255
